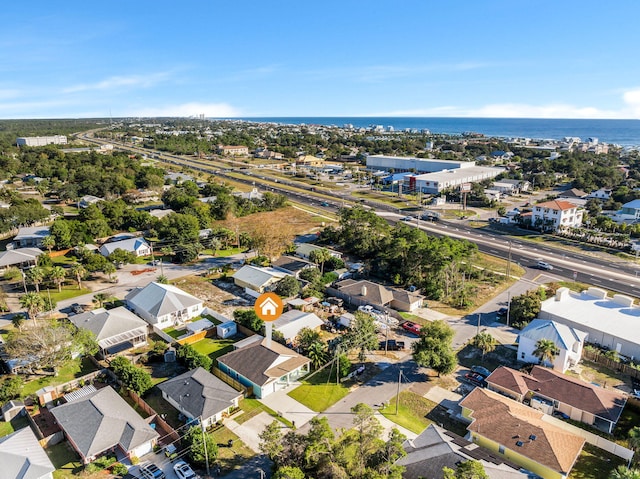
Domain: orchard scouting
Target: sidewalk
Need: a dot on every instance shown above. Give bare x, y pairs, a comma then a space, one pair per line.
249, 431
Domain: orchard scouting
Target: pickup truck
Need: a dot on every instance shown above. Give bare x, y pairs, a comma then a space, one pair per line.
392, 345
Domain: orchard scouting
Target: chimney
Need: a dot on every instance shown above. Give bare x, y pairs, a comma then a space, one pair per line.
363, 292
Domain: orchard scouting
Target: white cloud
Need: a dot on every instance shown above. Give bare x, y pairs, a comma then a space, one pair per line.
632, 100
214, 110
143, 81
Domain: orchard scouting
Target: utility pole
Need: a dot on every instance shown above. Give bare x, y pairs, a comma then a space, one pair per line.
508, 305
478, 329
386, 339
204, 442
398, 391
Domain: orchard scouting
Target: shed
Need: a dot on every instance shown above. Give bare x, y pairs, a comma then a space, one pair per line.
12, 409
200, 325
226, 330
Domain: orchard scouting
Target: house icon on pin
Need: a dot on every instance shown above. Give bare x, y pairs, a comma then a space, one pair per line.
268, 307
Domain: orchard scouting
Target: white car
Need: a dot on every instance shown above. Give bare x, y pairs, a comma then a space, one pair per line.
184, 471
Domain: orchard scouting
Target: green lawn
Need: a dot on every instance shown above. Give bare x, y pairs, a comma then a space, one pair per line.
65, 460
175, 333
154, 399
416, 413
68, 292
594, 463
73, 369
230, 458
16, 423
318, 393
252, 407
214, 348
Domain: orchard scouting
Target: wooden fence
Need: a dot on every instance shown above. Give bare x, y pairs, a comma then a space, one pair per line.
246, 390
194, 338
599, 358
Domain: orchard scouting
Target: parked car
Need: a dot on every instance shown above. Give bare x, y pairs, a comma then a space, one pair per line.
475, 378
411, 327
481, 370
392, 345
151, 471
407, 218
77, 308
544, 265
184, 471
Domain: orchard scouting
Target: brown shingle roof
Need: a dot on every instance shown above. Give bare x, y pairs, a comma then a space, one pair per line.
565, 389
506, 421
373, 292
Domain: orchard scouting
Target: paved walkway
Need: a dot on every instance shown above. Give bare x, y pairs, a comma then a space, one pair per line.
249, 431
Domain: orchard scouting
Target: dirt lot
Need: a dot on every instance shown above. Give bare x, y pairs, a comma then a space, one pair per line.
224, 301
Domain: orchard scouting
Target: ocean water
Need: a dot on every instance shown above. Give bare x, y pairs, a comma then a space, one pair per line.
619, 132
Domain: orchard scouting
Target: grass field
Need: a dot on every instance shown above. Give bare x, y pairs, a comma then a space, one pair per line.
214, 348
16, 423
412, 411
318, 393
252, 407
75, 368
65, 460
594, 463
230, 458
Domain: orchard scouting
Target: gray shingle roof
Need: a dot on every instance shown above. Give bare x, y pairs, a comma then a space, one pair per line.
20, 255
102, 420
108, 324
22, 457
200, 393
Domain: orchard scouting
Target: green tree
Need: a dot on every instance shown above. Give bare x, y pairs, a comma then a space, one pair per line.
201, 446
10, 388
362, 334
287, 287
101, 298
484, 342
467, 470
33, 303
634, 438
49, 242
57, 274
79, 272
109, 269
121, 257
623, 472
546, 351
192, 359
289, 472
35, 276
271, 440
524, 308
134, 378
344, 365
433, 349
320, 257
17, 321
319, 443
368, 430
317, 354
162, 279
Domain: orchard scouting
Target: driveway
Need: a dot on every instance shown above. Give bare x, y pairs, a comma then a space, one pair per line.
249, 431
289, 408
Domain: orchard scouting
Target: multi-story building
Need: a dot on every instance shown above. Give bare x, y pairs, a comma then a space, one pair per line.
41, 140
556, 214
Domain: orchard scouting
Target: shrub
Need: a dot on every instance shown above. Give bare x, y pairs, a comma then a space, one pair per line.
119, 469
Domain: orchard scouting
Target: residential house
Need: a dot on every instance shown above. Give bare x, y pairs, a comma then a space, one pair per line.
436, 448
506, 187
556, 214
163, 305
102, 422
20, 258
252, 195
256, 280
629, 213
550, 391
366, 292
291, 322
88, 200
160, 213
608, 321
304, 250
177, 178
137, 246
601, 194
198, 394
22, 456
292, 265
30, 237
264, 365
520, 434
116, 329
568, 341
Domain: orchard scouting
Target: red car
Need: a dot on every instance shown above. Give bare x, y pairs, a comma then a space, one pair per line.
411, 327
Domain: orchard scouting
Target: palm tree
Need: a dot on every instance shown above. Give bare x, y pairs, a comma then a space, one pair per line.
162, 279
109, 269
316, 354
634, 438
35, 276
320, 257
100, 298
17, 321
33, 302
49, 242
622, 472
79, 272
546, 350
484, 342
57, 274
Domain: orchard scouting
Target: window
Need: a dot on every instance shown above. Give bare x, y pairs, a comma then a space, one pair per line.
522, 355
501, 449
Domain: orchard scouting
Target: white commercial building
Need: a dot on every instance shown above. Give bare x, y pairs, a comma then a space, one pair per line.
435, 183
419, 165
610, 322
556, 214
41, 140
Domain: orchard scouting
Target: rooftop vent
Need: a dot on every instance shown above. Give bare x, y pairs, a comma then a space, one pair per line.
532, 437
519, 443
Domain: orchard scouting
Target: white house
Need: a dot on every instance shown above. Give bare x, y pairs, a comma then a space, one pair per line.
629, 213
291, 322
601, 194
163, 305
256, 280
608, 321
556, 214
137, 246
568, 341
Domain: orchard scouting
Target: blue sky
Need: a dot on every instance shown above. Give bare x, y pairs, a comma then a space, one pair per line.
465, 58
